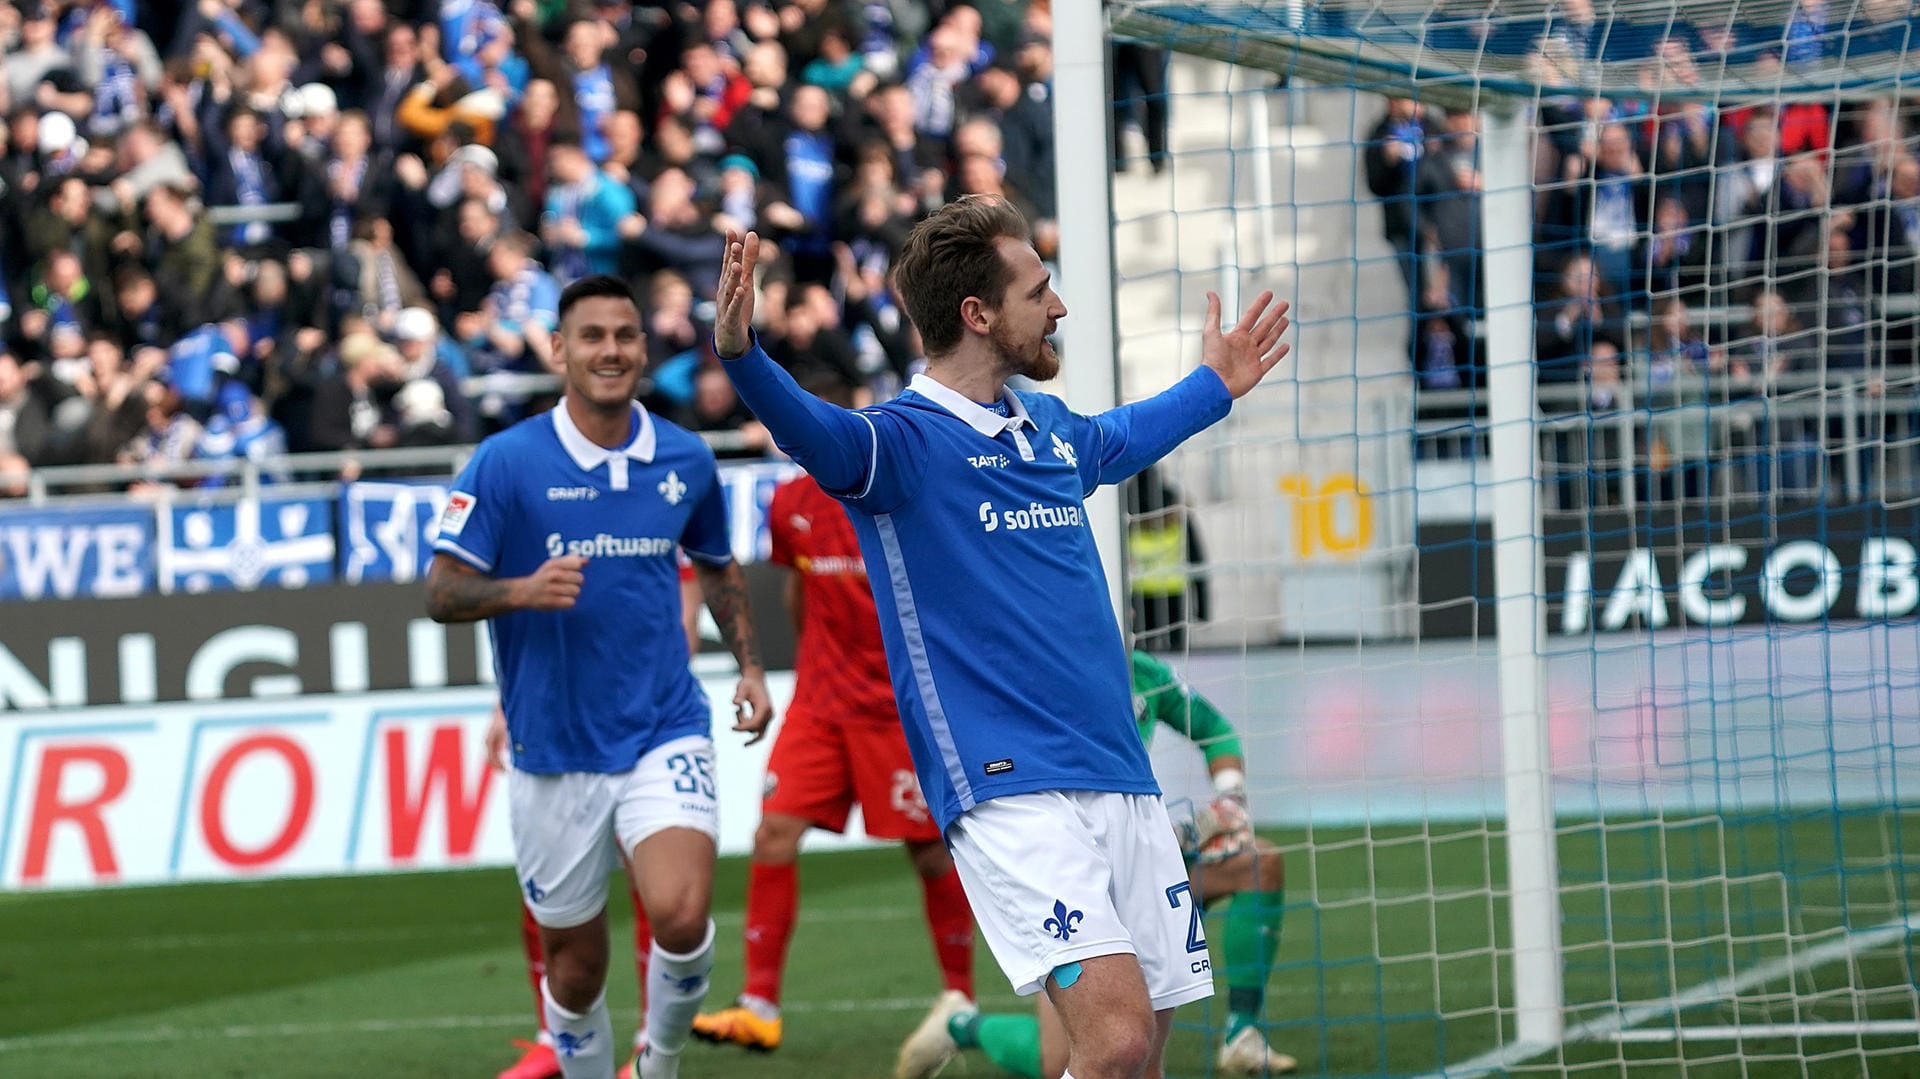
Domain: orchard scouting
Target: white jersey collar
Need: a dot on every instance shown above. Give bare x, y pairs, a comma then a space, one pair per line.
590, 455
972, 413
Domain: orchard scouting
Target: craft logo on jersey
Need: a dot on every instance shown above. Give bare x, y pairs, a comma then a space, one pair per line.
1064, 922
672, 489
606, 546
572, 494
1032, 515
1064, 451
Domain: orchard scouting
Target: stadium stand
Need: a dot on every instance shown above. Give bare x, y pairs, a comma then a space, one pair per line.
1735, 286
239, 229
230, 226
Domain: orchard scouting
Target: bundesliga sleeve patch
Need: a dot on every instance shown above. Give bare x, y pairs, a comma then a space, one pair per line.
454, 517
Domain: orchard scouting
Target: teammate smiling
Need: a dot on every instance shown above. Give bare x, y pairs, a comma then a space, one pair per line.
609, 730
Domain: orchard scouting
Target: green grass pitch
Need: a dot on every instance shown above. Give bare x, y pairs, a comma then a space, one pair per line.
1387, 966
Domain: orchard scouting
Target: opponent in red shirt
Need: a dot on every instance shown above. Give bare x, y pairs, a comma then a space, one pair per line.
841, 743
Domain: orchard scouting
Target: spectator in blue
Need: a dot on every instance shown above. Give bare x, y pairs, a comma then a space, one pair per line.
117, 60
934, 81
590, 88
807, 171
1392, 158
1806, 32
521, 312
466, 28
241, 430
1617, 209
242, 170
197, 363
581, 221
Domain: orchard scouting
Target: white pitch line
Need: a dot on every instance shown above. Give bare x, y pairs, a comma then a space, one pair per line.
1608, 1027
723, 919
170, 941
1844, 1028
244, 1032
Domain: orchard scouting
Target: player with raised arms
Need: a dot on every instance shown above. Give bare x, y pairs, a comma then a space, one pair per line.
562, 532
1007, 662
839, 744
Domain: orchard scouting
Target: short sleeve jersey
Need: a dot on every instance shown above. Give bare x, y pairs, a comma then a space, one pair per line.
592, 688
841, 667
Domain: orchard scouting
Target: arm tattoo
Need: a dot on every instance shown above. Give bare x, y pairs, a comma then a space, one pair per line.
726, 590
458, 593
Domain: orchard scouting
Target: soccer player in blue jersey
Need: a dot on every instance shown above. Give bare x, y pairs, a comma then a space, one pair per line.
1006, 658
562, 533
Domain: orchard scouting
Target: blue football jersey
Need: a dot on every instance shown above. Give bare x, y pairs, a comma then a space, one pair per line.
1007, 663
593, 688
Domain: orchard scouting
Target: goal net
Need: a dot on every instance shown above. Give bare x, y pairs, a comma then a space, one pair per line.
1563, 581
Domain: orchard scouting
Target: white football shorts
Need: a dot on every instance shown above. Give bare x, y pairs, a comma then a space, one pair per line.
1055, 877
570, 830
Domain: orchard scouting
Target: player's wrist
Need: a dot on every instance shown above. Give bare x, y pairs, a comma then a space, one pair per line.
1230, 783
753, 341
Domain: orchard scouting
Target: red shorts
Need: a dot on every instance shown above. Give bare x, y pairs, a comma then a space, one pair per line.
819, 768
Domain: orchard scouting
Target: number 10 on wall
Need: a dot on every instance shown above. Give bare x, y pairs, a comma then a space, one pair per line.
1332, 516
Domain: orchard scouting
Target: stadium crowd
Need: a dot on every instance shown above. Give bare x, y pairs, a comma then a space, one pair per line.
1686, 254
238, 227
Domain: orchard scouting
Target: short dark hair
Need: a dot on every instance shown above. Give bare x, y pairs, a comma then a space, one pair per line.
595, 285
953, 255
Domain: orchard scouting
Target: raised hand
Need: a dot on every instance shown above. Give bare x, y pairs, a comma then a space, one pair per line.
733, 301
1243, 355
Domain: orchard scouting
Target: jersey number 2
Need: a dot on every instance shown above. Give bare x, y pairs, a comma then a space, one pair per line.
691, 774
1196, 940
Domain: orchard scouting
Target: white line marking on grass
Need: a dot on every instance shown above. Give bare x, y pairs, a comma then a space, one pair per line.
1848, 1028
166, 1033
1609, 1027
723, 919
175, 941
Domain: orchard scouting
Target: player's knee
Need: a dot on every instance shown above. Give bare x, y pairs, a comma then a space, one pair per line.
777, 841
1121, 1046
575, 977
680, 927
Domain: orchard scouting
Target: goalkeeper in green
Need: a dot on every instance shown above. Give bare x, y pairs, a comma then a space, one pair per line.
1227, 863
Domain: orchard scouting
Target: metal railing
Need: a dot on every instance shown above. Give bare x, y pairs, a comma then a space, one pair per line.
1837, 438
245, 476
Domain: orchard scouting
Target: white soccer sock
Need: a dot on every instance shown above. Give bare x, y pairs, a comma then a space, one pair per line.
583, 1042
679, 986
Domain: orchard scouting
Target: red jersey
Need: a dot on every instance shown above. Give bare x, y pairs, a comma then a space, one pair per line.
840, 666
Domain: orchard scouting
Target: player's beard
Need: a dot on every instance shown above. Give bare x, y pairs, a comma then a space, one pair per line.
1033, 359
